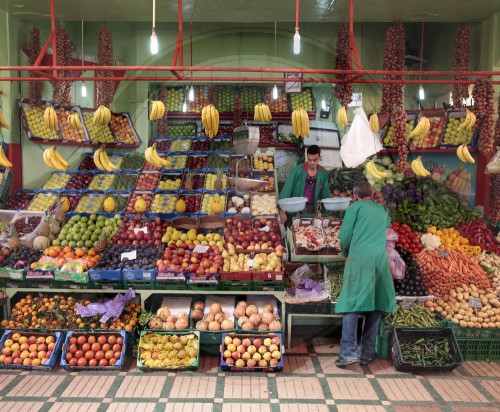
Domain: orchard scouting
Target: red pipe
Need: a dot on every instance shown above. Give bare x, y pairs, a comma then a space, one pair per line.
297, 7
53, 25
354, 47
180, 34
44, 50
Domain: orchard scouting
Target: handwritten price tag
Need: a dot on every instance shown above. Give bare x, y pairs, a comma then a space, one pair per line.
475, 303
140, 229
201, 248
265, 229
129, 255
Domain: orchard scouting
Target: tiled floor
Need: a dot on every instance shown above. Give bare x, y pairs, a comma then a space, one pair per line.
310, 381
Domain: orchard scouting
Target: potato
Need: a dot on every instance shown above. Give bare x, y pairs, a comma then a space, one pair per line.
449, 317
466, 295
491, 324
458, 316
474, 294
455, 321
473, 287
466, 318
477, 325
484, 301
439, 309
497, 324
490, 296
494, 302
460, 296
463, 324
453, 294
444, 313
470, 324
473, 319
461, 312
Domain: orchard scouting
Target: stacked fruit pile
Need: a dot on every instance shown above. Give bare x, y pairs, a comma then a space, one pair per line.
304, 100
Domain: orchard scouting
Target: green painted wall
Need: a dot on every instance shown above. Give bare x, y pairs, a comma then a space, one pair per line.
232, 45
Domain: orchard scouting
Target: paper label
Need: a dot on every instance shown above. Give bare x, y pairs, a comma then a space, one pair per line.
201, 248
129, 255
407, 304
16, 275
250, 263
475, 303
140, 229
265, 229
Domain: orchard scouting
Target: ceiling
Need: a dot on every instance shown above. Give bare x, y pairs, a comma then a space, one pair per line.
256, 11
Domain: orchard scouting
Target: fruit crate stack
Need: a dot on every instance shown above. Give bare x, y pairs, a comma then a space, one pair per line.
454, 135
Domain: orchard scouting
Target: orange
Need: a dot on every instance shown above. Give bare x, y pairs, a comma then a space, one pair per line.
67, 249
92, 252
79, 252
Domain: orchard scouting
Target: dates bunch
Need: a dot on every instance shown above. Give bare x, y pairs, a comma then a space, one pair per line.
343, 91
484, 109
105, 89
162, 123
62, 88
237, 119
461, 62
36, 88
399, 121
394, 60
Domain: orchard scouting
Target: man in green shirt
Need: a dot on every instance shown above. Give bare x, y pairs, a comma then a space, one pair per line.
307, 180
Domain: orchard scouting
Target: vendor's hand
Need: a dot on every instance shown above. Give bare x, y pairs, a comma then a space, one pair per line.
283, 216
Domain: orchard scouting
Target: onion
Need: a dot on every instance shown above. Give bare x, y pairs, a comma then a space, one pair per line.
214, 325
242, 321
254, 319
268, 308
247, 326
275, 325
242, 304
196, 314
267, 318
163, 313
162, 129
227, 324
343, 61
183, 315
199, 305
169, 326
461, 62
239, 312
209, 317
219, 317
237, 113
36, 88
215, 308
172, 318
263, 326
182, 323
251, 309
201, 325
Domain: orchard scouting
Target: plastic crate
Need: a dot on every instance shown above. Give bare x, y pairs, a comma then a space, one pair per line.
268, 286
106, 284
203, 286
170, 285
402, 333
236, 286
321, 307
480, 349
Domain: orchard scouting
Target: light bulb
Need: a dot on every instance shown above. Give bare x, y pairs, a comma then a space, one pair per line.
154, 42
296, 41
275, 92
191, 94
184, 106
421, 93
323, 102
84, 90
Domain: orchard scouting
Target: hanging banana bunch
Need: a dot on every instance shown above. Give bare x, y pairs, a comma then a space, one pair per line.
157, 110
210, 119
3, 159
374, 125
418, 168
342, 117
102, 116
423, 127
54, 160
464, 154
262, 113
102, 160
469, 121
3, 123
50, 118
152, 157
300, 122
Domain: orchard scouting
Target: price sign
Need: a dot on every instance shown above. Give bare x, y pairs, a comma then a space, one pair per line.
357, 100
129, 255
475, 303
250, 263
201, 248
140, 229
407, 304
265, 229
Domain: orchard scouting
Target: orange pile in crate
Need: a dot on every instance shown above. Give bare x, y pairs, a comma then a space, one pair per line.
60, 257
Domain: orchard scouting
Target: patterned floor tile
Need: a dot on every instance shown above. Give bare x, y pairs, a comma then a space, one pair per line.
328, 367
5, 380
351, 388
209, 364
244, 387
299, 388
298, 347
198, 387
141, 387
383, 367
74, 407
245, 407
131, 407
88, 386
457, 390
298, 364
34, 386
404, 390
21, 406
493, 387
482, 368
406, 408
360, 408
326, 345
188, 407
288, 407
475, 409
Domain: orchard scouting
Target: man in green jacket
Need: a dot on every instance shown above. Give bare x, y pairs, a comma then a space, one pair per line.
307, 180
368, 287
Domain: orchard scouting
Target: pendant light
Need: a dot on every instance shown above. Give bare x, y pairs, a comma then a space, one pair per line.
153, 44
275, 92
421, 92
84, 88
323, 102
296, 37
191, 94
275, 87
184, 106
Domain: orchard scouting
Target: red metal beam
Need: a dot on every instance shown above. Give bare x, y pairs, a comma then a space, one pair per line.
53, 26
44, 49
354, 47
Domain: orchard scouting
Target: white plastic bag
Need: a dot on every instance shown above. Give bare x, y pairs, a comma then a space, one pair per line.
359, 142
493, 167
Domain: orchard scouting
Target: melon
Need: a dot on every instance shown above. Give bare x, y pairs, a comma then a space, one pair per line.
216, 206
65, 205
140, 205
109, 205
41, 243
180, 206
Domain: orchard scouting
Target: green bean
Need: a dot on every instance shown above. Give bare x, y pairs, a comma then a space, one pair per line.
426, 351
417, 316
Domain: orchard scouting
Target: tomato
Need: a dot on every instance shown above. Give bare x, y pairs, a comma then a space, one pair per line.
116, 348
89, 355
86, 347
73, 361
117, 355
72, 340
119, 340
92, 362
69, 356
112, 361
79, 354
112, 339
96, 347
102, 339
109, 354
99, 355
82, 362
103, 362
91, 339
81, 340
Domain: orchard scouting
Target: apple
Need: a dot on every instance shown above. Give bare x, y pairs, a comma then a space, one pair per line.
273, 348
240, 363
273, 362
262, 350
246, 342
230, 361
241, 349
275, 340
231, 347
267, 342
257, 343
236, 355
267, 356
257, 356
276, 354
263, 363
227, 354
251, 349
251, 363
246, 356
228, 340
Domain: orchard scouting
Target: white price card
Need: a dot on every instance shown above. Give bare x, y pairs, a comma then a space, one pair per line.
140, 229
250, 263
129, 255
201, 248
475, 303
265, 229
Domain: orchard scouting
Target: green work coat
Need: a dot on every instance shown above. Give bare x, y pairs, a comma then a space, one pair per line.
296, 182
368, 283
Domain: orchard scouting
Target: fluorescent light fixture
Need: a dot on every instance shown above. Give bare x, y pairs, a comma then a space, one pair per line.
421, 93
191, 94
296, 41
275, 92
323, 102
84, 90
184, 106
154, 42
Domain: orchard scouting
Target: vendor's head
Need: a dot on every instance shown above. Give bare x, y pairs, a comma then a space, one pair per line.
362, 190
313, 157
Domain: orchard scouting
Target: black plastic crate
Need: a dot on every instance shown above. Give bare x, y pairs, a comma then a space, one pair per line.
236, 286
323, 307
268, 286
403, 333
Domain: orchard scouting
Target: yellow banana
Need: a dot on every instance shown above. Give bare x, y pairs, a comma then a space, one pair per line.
161, 160
472, 120
106, 161
466, 154
50, 118
46, 158
59, 157
207, 122
3, 123
256, 113
216, 120
54, 161
373, 171
342, 117
97, 160
418, 168
304, 122
460, 154
419, 128
374, 124
296, 123
150, 158
467, 123
98, 116
4, 161
154, 111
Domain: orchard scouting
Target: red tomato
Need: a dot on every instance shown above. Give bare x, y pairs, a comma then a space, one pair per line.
81, 340
117, 348
72, 340
72, 348
112, 361
109, 354
69, 356
102, 339
106, 347
73, 362
96, 347
103, 362
117, 355
82, 362
79, 354
119, 340
91, 339
86, 347
112, 339
89, 355
92, 362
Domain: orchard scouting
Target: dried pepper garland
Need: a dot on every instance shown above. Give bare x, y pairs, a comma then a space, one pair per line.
36, 88
237, 119
399, 121
494, 193
461, 61
64, 48
105, 89
394, 60
484, 109
162, 123
343, 61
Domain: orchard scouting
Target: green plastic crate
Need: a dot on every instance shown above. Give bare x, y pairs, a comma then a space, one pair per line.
479, 349
236, 286
268, 286
106, 284
139, 284
203, 286
166, 285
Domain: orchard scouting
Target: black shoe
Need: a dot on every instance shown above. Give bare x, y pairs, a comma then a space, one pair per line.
342, 362
364, 361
